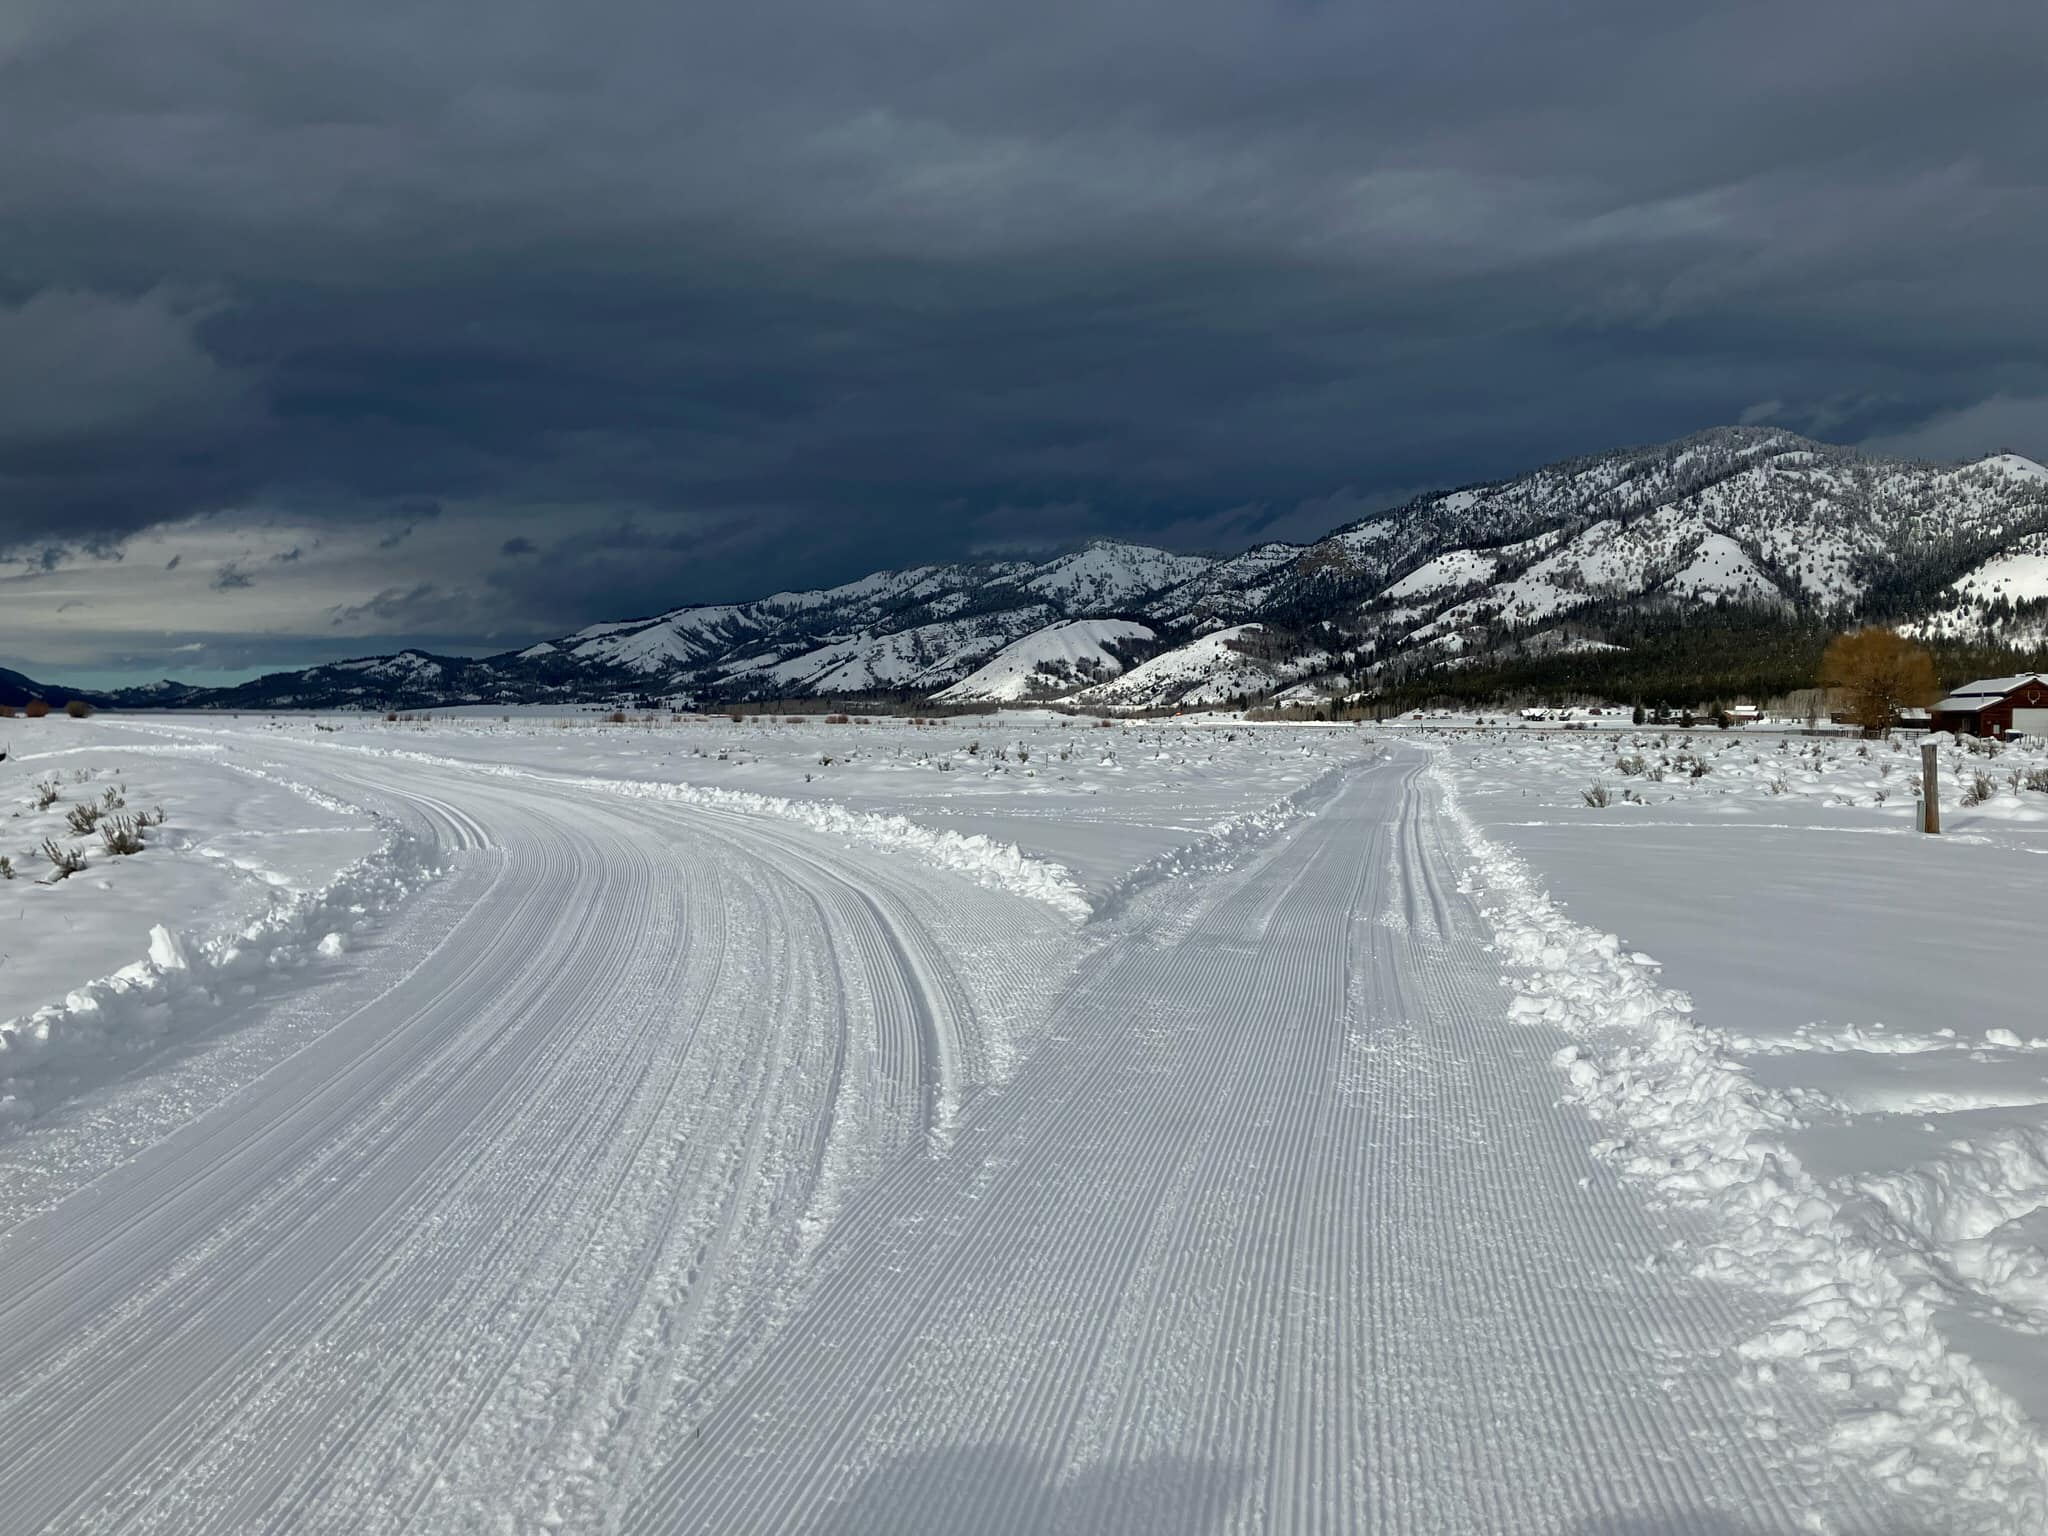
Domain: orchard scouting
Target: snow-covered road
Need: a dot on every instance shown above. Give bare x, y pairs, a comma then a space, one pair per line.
687, 1169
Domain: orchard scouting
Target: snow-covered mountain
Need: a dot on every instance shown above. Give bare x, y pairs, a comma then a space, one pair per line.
1236, 665
2005, 596
1746, 519
1058, 659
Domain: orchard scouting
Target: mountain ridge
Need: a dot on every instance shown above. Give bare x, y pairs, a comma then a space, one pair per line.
1751, 519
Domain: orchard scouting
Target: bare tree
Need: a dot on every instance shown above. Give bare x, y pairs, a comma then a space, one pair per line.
1882, 674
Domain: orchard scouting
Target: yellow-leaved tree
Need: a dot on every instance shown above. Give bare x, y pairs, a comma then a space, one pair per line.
1881, 673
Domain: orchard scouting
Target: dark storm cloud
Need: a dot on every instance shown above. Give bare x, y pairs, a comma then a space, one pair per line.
717, 299
401, 607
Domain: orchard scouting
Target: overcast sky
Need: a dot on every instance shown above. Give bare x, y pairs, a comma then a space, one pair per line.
326, 328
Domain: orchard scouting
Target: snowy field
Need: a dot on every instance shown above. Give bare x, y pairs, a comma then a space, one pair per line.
1012, 1124
1838, 1056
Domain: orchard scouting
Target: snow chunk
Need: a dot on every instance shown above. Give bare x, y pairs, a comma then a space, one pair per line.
166, 953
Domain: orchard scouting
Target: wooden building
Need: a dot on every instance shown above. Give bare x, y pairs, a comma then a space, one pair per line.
1997, 706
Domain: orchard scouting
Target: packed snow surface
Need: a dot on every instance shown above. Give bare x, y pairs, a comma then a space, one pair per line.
1018, 1123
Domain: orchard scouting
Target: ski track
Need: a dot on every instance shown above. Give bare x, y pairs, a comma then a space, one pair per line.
707, 1175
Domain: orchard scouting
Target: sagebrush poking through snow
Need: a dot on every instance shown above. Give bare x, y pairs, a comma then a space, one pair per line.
121, 835
64, 862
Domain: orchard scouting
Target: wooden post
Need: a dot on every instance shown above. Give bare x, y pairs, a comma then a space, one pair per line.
1930, 800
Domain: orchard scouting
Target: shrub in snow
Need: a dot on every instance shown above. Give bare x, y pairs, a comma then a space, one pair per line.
121, 835
112, 800
82, 818
1595, 796
78, 709
6, 867
2037, 779
44, 795
35, 709
1632, 766
64, 862
1980, 790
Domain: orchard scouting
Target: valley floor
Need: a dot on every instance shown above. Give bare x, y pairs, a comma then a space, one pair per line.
1162, 1128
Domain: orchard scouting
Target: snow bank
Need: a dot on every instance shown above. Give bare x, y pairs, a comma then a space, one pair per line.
179, 986
1859, 1321
998, 866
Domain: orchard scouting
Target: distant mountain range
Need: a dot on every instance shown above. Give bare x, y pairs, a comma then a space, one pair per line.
1573, 559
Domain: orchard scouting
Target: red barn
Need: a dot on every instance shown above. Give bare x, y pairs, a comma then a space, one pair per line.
1997, 706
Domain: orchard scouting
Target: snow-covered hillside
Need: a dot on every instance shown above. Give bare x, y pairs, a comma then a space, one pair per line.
1753, 517
2004, 597
1057, 659
1105, 577
1220, 668
1750, 516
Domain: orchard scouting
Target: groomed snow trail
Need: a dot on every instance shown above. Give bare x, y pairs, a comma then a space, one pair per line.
710, 1174
448, 1265
1282, 1229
